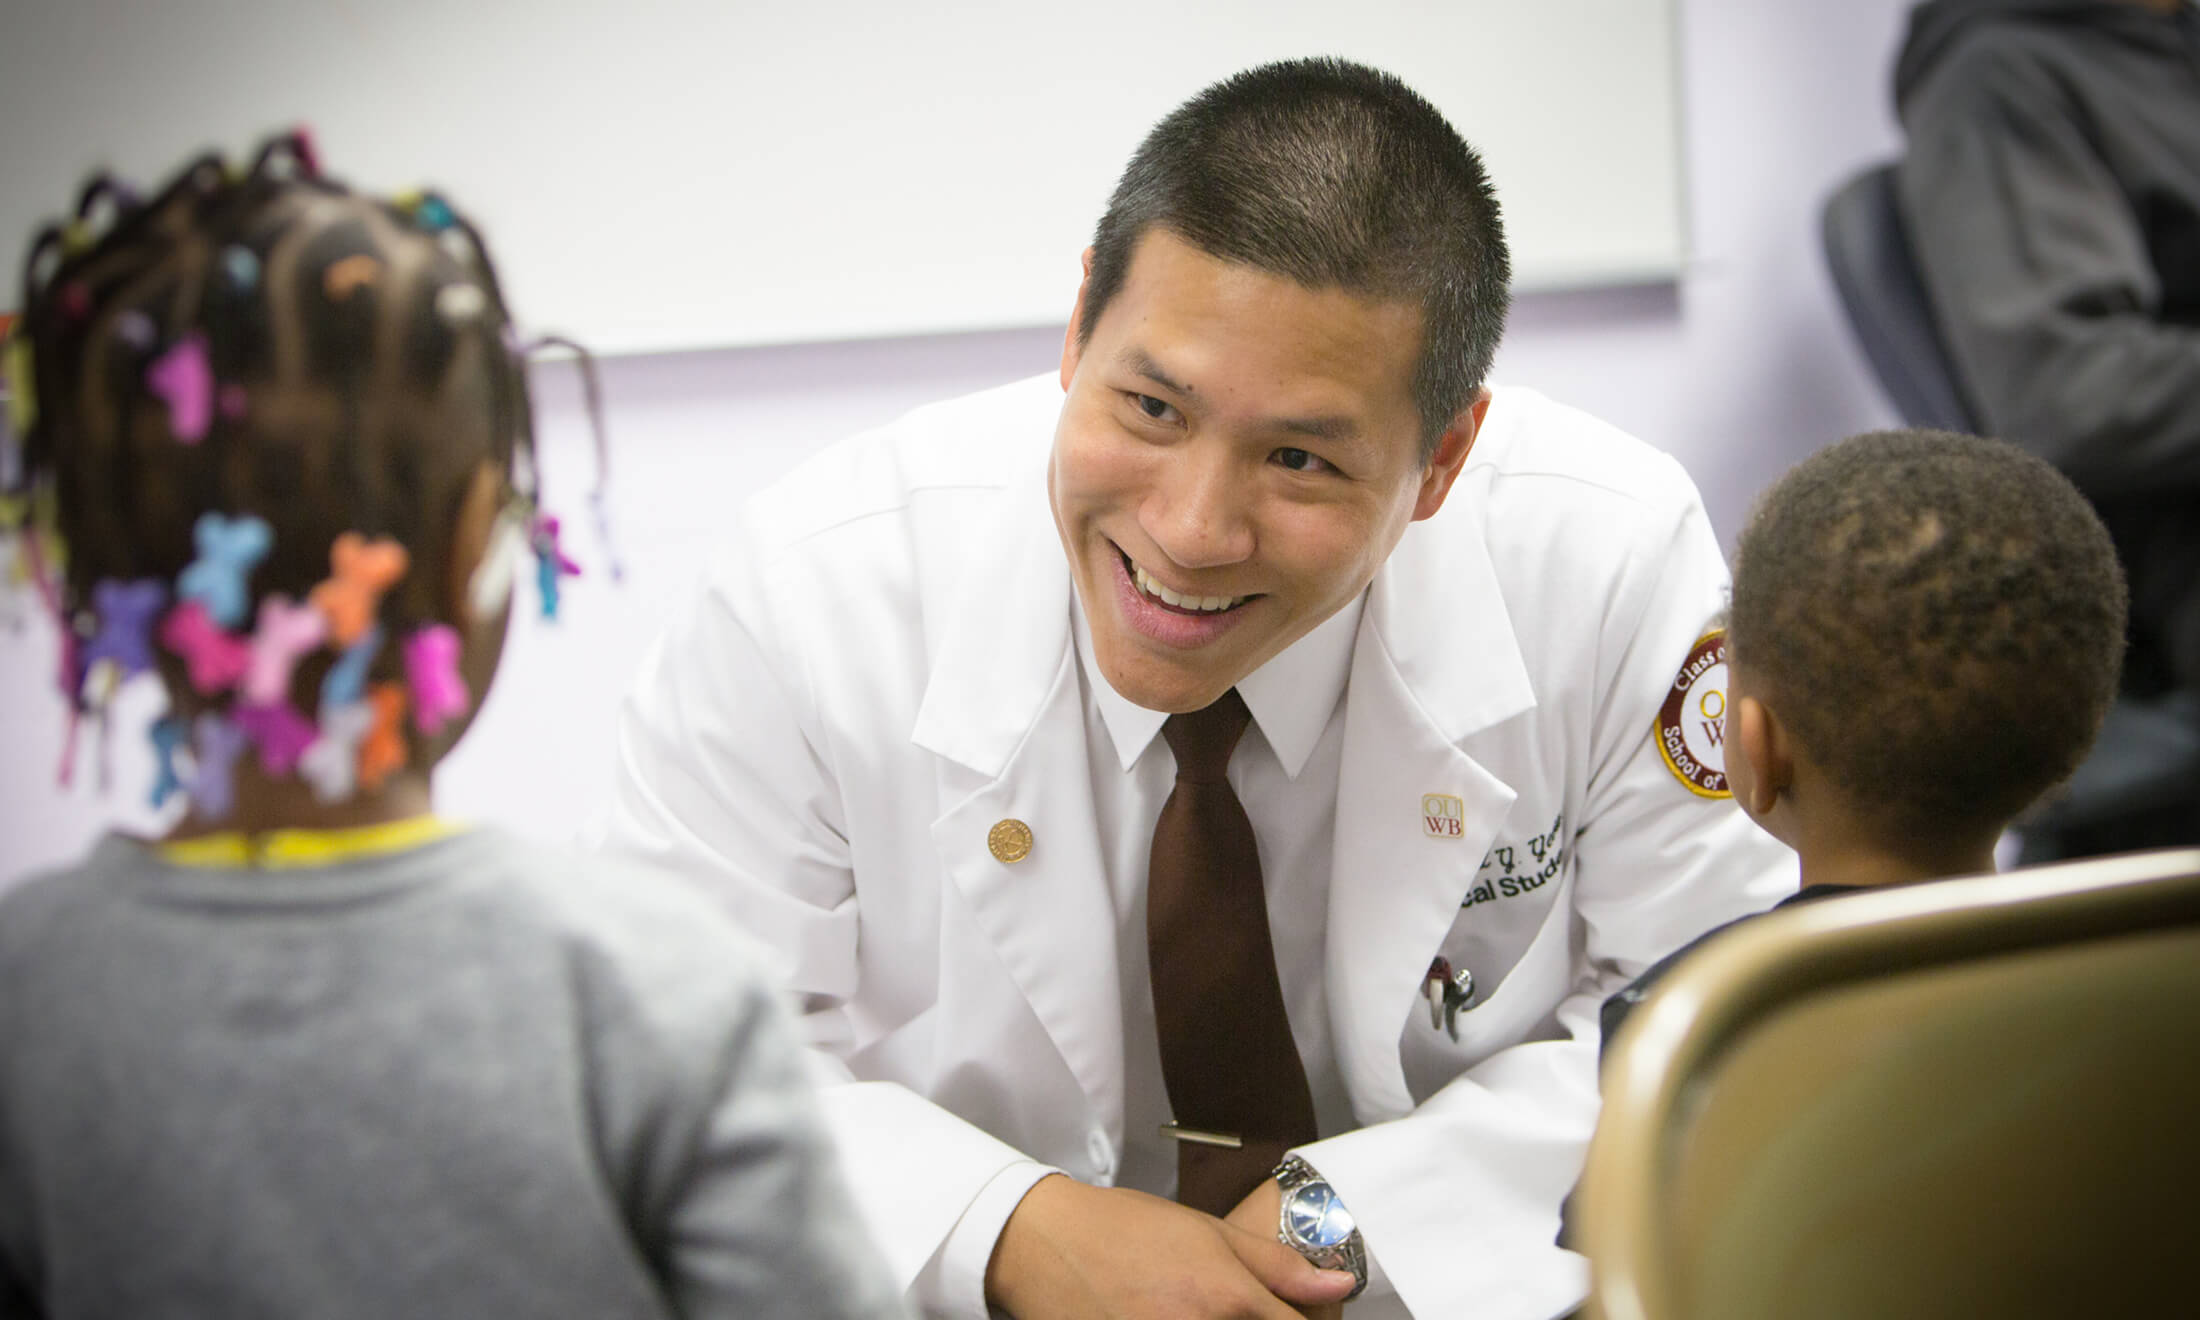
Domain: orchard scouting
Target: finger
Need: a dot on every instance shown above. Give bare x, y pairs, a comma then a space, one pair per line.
1323, 1290
1285, 1272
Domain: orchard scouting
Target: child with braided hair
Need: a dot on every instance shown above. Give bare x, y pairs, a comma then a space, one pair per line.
318, 1051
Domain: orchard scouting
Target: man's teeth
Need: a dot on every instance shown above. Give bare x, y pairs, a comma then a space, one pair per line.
1167, 597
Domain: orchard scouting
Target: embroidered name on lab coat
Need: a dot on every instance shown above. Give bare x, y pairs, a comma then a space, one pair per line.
1513, 869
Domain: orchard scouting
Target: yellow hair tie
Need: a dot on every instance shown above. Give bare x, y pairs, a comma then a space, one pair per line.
286, 849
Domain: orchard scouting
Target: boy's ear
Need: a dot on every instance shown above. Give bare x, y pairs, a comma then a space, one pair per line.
1759, 738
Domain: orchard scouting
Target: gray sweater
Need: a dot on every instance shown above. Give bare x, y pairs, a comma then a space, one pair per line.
2052, 189
473, 1079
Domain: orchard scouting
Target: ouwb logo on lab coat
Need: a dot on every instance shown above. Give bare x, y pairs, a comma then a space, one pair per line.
1443, 816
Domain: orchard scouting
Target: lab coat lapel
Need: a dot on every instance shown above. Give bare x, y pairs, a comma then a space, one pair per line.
1004, 704
1435, 662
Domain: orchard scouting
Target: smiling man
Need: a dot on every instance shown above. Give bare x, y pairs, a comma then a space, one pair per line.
1199, 845
1237, 455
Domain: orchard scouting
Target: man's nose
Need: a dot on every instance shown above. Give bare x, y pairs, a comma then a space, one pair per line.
1201, 514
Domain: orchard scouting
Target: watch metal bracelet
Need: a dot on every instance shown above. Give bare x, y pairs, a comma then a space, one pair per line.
1349, 1255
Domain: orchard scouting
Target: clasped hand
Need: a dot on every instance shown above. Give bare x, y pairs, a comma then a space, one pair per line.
1072, 1249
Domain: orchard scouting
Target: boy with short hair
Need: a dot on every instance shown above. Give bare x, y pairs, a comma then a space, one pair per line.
1925, 634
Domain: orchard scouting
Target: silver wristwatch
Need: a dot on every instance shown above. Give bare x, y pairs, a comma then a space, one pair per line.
1315, 1223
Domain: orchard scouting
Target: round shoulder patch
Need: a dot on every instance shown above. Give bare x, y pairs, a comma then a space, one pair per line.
1691, 728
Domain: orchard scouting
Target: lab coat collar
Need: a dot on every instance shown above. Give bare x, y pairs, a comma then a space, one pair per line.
1006, 633
1440, 621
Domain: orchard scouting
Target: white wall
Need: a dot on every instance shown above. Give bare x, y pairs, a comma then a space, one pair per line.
635, 222
1739, 370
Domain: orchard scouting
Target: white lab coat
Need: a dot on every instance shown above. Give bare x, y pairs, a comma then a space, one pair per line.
882, 668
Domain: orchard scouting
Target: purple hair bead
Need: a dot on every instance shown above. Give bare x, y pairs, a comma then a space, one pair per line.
213, 787
280, 732
126, 611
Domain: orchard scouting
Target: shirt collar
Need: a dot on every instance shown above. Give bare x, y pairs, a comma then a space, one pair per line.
1291, 696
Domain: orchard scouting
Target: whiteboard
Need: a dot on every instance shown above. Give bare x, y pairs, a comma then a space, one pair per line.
669, 174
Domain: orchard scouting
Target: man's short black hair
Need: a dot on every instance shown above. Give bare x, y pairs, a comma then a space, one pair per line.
1938, 619
1331, 174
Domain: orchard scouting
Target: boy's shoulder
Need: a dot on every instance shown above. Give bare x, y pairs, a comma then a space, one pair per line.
1623, 1001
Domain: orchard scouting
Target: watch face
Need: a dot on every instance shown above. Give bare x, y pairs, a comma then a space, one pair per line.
1317, 1217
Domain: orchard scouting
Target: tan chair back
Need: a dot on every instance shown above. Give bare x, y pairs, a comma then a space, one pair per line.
1973, 1097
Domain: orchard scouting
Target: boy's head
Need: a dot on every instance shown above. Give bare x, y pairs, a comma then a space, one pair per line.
275, 420
1927, 627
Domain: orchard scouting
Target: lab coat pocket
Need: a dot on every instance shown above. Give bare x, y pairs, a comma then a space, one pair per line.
1462, 1023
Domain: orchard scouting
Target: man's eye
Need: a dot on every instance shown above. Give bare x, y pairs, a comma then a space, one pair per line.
1155, 408
1298, 460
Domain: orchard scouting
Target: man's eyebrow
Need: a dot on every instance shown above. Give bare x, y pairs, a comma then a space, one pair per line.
1334, 429
1138, 360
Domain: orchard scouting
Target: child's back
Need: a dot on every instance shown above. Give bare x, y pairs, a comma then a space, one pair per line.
318, 1052
470, 1077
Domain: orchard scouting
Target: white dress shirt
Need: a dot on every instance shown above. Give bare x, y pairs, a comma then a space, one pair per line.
1284, 771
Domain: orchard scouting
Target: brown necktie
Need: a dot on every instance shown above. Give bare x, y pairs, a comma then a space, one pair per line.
1226, 1051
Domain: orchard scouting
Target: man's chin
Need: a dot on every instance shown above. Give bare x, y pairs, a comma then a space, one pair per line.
1170, 689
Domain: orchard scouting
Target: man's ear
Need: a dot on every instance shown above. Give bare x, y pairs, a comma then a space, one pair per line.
1073, 345
1450, 457
1755, 734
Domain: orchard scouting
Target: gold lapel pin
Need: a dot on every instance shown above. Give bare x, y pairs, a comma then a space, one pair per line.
1009, 840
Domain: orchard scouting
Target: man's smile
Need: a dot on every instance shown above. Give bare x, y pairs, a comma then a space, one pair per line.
1151, 587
